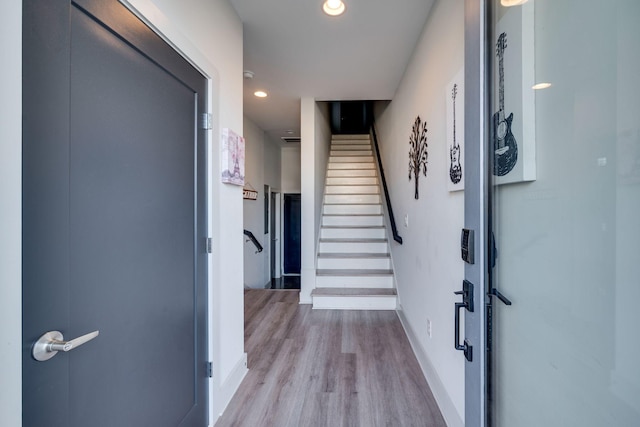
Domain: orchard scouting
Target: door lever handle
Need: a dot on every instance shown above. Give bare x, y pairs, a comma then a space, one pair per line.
49, 344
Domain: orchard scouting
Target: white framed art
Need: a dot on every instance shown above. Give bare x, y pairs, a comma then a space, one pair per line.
512, 128
454, 95
232, 157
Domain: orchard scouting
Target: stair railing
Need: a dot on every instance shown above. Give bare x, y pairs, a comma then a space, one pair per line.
253, 240
392, 218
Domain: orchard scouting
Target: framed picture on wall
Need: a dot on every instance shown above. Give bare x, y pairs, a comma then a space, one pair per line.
454, 95
512, 128
232, 157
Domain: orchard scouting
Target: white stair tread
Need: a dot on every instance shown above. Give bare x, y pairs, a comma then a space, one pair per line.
346, 214
348, 227
361, 292
351, 240
353, 272
352, 255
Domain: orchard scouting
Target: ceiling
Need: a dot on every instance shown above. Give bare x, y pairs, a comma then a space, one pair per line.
295, 51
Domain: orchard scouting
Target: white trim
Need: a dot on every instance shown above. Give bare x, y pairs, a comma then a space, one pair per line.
227, 389
11, 213
448, 409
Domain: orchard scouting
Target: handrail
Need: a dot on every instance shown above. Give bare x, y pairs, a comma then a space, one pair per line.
392, 219
253, 240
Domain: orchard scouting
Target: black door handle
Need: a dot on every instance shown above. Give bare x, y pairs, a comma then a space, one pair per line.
466, 347
495, 292
467, 302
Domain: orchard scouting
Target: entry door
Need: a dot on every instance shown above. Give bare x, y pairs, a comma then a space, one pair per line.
114, 215
292, 229
566, 93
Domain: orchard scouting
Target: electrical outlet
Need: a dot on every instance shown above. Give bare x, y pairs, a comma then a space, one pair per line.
429, 327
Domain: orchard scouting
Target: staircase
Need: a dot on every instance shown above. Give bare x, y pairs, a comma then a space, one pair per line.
353, 270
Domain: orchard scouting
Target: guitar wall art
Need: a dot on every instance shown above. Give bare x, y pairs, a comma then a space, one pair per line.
512, 123
505, 147
454, 93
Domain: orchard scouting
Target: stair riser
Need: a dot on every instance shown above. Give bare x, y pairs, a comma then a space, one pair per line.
352, 189
352, 220
352, 198
349, 147
351, 159
352, 209
352, 233
354, 303
350, 138
347, 173
352, 180
354, 263
334, 166
354, 248
354, 282
342, 153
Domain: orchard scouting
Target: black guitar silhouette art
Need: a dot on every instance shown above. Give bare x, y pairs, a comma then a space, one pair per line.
504, 143
455, 169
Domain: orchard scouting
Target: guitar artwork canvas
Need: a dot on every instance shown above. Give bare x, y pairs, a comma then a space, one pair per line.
512, 126
454, 93
505, 147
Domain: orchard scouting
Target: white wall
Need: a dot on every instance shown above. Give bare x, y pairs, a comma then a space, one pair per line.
262, 167
315, 142
322, 148
290, 160
11, 213
427, 265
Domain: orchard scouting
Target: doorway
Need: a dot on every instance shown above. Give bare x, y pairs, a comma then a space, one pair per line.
291, 234
113, 220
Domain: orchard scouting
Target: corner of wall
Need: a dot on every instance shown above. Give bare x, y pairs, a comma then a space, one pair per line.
221, 394
11, 213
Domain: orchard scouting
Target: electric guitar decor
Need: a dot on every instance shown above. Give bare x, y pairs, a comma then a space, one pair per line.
455, 169
504, 143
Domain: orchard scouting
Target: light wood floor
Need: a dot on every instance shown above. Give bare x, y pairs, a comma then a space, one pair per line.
327, 368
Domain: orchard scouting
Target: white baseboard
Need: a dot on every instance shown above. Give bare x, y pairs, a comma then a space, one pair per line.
448, 409
221, 397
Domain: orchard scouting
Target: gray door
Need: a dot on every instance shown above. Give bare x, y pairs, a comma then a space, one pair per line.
114, 218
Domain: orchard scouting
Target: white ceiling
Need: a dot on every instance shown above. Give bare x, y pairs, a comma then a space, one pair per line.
295, 50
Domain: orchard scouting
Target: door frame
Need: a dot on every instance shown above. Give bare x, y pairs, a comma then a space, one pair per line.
476, 202
275, 223
173, 35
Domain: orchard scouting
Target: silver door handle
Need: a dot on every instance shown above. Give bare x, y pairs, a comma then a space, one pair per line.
49, 344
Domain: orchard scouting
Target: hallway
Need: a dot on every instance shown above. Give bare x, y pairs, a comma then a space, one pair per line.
327, 368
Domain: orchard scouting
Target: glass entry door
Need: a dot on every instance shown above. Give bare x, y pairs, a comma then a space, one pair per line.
564, 202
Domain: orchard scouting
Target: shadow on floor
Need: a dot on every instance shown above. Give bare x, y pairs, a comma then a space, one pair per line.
285, 282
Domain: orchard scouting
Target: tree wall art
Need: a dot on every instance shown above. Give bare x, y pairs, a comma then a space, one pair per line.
418, 155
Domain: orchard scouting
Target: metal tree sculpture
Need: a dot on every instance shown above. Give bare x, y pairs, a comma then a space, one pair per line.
418, 151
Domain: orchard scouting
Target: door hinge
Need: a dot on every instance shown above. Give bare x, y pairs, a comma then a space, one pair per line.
205, 121
209, 245
209, 369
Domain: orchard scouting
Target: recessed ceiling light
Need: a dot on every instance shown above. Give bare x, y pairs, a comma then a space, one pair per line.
509, 3
333, 7
260, 94
541, 86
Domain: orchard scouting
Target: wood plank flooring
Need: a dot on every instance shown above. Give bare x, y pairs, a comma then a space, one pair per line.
327, 368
